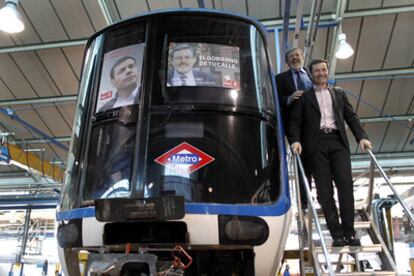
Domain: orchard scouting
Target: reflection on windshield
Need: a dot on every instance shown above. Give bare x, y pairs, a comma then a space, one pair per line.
119, 189
212, 158
110, 158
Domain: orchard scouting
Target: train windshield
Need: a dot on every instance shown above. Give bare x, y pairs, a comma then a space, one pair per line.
212, 129
192, 115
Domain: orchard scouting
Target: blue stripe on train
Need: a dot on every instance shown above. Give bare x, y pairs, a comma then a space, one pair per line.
76, 213
277, 209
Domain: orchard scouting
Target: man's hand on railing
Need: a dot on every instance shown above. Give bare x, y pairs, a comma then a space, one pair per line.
296, 148
365, 145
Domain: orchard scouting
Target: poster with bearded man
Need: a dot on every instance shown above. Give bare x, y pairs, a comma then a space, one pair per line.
203, 64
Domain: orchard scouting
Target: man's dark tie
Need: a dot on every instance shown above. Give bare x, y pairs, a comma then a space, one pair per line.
183, 79
299, 82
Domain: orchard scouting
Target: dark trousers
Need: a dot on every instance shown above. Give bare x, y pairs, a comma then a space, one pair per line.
331, 161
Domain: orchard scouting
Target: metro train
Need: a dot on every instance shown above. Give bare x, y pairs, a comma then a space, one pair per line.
177, 163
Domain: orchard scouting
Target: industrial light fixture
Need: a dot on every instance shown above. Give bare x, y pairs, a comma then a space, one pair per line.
343, 49
10, 19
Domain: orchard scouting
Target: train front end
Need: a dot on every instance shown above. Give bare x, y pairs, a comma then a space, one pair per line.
177, 163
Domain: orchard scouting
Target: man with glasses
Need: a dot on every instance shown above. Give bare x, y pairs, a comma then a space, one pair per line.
291, 84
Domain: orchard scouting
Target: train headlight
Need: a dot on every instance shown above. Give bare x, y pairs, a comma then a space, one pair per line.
70, 234
242, 230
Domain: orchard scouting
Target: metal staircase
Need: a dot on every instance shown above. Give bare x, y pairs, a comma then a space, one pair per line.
315, 240
350, 260
29, 241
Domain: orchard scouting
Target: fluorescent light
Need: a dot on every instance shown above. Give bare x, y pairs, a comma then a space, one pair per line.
344, 49
10, 19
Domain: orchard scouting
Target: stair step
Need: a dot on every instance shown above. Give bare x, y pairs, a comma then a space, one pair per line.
358, 209
362, 224
357, 224
351, 249
365, 273
323, 262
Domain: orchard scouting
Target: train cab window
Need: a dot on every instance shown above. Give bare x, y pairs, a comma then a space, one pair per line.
212, 134
112, 140
214, 62
71, 188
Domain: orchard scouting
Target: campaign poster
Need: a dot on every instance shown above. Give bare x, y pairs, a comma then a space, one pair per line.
203, 64
120, 81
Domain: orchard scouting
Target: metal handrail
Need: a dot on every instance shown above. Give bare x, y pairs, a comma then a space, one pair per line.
397, 196
298, 162
300, 216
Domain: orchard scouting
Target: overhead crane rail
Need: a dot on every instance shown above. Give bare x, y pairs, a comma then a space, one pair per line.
31, 162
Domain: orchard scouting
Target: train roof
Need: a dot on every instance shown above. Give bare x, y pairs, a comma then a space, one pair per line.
185, 11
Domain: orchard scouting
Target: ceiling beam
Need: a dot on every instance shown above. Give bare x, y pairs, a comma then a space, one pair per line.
41, 100
349, 14
33, 187
387, 119
106, 12
374, 12
375, 74
13, 174
43, 46
40, 141
13, 202
279, 22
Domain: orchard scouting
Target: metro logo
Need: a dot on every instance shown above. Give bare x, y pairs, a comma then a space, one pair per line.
184, 158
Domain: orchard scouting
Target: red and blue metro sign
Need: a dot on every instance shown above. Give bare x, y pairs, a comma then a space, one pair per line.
184, 158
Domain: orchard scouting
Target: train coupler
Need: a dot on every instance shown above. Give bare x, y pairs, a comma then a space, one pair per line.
112, 264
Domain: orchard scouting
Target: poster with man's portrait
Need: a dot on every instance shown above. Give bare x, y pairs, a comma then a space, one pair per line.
203, 64
120, 81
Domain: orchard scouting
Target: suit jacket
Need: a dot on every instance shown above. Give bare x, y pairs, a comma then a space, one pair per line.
304, 124
285, 88
200, 78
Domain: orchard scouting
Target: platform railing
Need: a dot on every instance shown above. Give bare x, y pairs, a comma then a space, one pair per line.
375, 162
300, 172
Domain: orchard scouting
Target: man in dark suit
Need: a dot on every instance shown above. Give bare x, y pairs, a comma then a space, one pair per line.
124, 78
317, 130
182, 59
291, 85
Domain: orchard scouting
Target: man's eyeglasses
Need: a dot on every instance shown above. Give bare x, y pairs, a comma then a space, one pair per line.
182, 58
